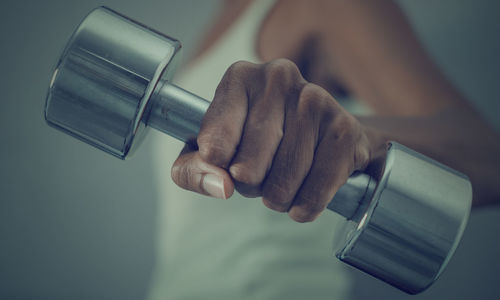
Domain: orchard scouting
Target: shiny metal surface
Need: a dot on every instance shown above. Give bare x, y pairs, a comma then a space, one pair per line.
353, 195
413, 224
176, 111
105, 76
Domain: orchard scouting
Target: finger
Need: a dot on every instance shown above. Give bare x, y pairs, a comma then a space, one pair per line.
261, 136
332, 166
290, 166
191, 172
295, 154
223, 122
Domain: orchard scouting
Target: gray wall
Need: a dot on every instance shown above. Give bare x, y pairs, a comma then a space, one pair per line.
75, 223
78, 224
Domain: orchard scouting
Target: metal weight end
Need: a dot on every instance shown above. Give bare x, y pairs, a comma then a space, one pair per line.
104, 79
413, 224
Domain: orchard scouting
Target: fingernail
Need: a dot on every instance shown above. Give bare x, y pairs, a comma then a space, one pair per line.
214, 185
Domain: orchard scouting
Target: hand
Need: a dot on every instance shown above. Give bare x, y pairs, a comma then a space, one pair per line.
270, 133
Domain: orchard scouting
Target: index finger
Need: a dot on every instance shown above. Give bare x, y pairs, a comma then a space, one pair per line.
222, 125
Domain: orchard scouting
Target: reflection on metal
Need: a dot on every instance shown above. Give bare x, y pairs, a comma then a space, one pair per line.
176, 112
104, 80
413, 223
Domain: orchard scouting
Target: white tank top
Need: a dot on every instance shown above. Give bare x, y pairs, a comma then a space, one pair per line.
236, 248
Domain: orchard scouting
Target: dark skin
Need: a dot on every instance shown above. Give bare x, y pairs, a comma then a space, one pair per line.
274, 130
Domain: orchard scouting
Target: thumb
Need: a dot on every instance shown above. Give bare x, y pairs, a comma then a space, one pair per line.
192, 173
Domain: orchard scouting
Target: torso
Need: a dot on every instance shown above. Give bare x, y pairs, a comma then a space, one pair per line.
236, 249
289, 30
291, 23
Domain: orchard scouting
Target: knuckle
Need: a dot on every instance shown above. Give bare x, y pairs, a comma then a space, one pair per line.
246, 175
212, 154
281, 66
239, 67
282, 70
311, 205
233, 75
215, 149
344, 128
175, 173
302, 217
273, 205
277, 196
308, 211
314, 100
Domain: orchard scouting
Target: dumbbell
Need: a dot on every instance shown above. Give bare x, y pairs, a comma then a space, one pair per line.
113, 81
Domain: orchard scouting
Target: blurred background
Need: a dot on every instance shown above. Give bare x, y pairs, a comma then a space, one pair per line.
76, 223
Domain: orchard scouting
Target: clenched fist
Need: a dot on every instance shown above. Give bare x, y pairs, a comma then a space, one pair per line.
270, 133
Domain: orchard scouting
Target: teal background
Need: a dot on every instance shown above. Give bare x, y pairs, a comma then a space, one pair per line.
76, 223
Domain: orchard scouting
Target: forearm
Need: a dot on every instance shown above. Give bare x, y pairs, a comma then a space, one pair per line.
376, 55
456, 137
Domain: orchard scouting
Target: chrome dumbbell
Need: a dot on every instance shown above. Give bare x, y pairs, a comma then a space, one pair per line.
112, 81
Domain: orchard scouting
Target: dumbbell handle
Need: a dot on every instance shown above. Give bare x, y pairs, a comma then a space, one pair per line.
179, 113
